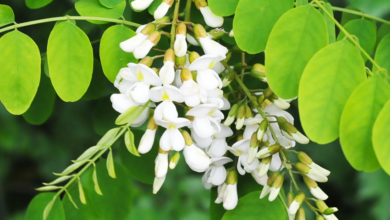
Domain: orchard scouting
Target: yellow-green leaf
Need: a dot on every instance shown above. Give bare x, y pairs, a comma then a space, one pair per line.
129, 141
35, 4
81, 193
110, 165
381, 138
6, 15
94, 8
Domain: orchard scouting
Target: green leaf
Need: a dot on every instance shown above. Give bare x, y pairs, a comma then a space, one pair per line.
81, 193
251, 207
84, 212
20, 71
382, 55
96, 182
223, 7
129, 141
110, 165
365, 31
329, 23
110, 3
43, 103
346, 17
97, 88
381, 138
141, 168
254, 20
357, 122
295, 38
302, 2
382, 32
39, 203
108, 138
113, 58
93, 8
70, 60
6, 15
35, 4
228, 26
327, 82
128, 116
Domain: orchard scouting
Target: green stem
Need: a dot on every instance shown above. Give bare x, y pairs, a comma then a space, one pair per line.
174, 21
46, 20
348, 35
187, 15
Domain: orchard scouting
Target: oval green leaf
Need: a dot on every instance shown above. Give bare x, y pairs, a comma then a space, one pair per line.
364, 30
327, 82
223, 7
39, 203
382, 32
110, 3
43, 104
251, 207
346, 17
357, 122
382, 55
6, 15
20, 71
254, 20
295, 38
93, 8
70, 60
113, 58
35, 4
381, 138
329, 23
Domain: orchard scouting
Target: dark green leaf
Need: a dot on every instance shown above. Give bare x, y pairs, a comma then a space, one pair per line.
295, 38
20, 71
381, 138
103, 116
93, 8
43, 103
254, 20
38, 204
223, 7
365, 31
70, 59
110, 3
113, 58
251, 207
97, 88
228, 26
327, 82
6, 15
357, 122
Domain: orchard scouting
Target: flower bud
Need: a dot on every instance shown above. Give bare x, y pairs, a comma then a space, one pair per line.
216, 34
321, 205
304, 158
193, 56
260, 99
241, 116
155, 37
148, 29
200, 3
290, 198
319, 217
185, 75
160, 22
147, 139
276, 186
232, 115
147, 61
230, 199
195, 158
314, 189
258, 71
139, 5
296, 204
264, 166
169, 55
158, 182
268, 151
248, 112
180, 61
253, 149
231, 33
199, 31
268, 186
162, 9
311, 173
262, 130
330, 211
187, 138
161, 167
228, 79
181, 29
143, 49
301, 214
174, 160
290, 131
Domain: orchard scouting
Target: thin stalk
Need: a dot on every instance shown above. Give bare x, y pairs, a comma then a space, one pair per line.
46, 20
187, 15
174, 21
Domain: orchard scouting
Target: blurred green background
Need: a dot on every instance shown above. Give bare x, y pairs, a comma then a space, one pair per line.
30, 153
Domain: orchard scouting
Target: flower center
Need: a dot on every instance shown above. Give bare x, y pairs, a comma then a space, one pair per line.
165, 96
140, 77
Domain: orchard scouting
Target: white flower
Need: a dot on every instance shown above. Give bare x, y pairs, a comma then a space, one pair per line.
212, 47
221, 193
219, 145
161, 10
231, 33
140, 5
130, 44
318, 193
167, 73
161, 167
180, 45
207, 120
201, 142
216, 173
260, 180
121, 102
230, 198
196, 158
158, 182
166, 93
241, 149
125, 79
147, 141
143, 49
192, 40
210, 18
207, 78
193, 93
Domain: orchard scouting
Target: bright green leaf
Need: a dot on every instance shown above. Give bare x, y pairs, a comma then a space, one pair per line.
295, 38
81, 193
327, 82
6, 15
381, 138
70, 60
128, 116
382, 32
254, 20
38, 204
43, 103
302, 2
357, 122
20, 71
330, 23
113, 58
129, 141
346, 17
84, 212
365, 31
108, 138
223, 7
93, 8
382, 55
110, 3
110, 165
251, 207
35, 4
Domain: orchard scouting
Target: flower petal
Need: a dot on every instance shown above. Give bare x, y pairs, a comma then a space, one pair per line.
210, 18
120, 102
130, 44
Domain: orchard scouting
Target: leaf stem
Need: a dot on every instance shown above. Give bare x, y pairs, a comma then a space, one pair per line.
187, 15
174, 21
46, 20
